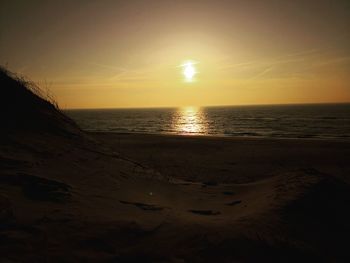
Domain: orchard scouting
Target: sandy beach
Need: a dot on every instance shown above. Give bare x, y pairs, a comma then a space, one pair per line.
230, 159
149, 198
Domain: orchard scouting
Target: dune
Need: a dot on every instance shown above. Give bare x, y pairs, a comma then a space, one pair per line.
71, 196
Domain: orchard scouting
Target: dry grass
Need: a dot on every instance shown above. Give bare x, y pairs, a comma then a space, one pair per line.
31, 86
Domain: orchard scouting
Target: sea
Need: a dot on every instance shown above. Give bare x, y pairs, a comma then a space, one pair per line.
321, 121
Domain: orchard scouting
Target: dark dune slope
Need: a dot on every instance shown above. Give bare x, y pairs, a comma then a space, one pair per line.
24, 109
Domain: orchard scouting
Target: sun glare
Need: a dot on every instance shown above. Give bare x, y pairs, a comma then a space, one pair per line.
190, 120
189, 71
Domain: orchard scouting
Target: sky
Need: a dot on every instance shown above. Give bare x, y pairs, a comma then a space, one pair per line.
116, 54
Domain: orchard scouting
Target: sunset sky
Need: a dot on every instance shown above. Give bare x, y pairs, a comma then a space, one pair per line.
107, 54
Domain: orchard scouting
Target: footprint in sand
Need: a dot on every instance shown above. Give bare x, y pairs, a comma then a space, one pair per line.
143, 206
228, 193
234, 203
205, 212
209, 183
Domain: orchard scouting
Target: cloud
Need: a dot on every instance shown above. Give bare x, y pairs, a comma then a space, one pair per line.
262, 73
301, 64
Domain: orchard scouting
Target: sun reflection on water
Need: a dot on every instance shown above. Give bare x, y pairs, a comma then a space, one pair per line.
189, 120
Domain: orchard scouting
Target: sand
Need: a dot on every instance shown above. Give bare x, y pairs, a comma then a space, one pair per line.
230, 159
153, 198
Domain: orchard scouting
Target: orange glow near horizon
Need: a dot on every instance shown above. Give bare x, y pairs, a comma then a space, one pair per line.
117, 54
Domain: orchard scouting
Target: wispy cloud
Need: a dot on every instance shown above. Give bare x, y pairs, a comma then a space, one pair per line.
333, 61
288, 58
301, 63
122, 73
262, 73
236, 65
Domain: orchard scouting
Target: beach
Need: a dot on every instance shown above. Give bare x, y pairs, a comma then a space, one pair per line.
156, 198
230, 159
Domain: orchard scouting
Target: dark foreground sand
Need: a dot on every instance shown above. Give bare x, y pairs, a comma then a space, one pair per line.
149, 198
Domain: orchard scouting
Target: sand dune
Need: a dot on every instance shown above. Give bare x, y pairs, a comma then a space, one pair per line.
67, 196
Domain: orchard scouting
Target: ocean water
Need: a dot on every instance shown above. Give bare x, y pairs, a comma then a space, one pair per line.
286, 121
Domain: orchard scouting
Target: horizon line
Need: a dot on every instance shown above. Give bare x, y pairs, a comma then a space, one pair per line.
210, 106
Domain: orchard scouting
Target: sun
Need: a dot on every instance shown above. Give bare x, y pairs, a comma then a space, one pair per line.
189, 70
